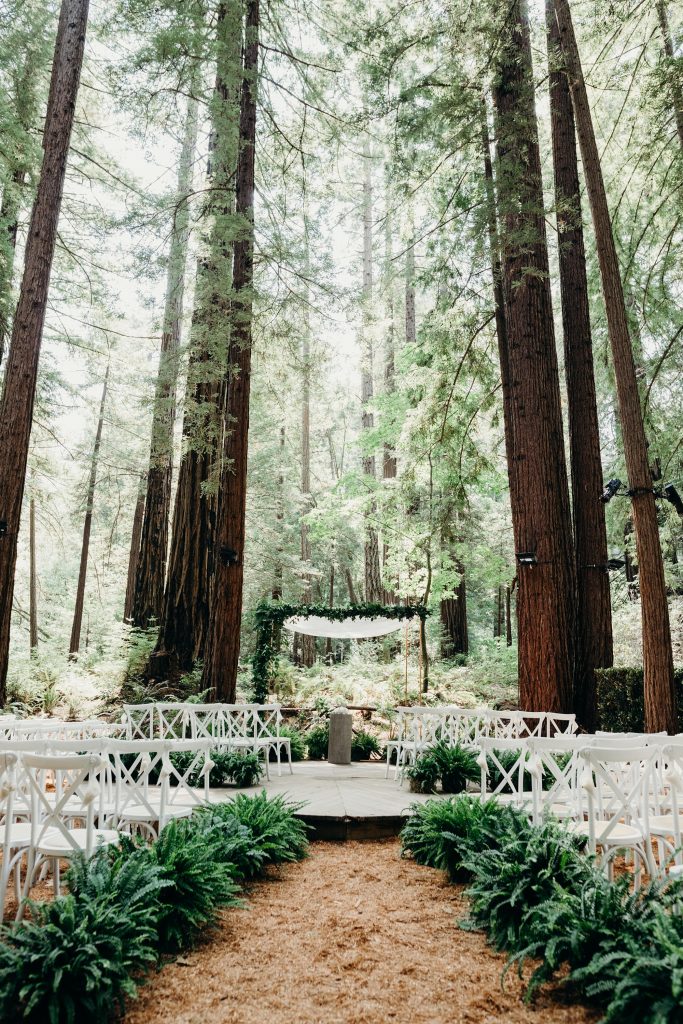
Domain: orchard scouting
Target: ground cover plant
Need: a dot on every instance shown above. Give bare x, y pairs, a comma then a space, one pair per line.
452, 766
541, 898
82, 955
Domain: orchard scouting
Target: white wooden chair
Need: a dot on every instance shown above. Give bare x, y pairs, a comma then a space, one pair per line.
267, 719
514, 782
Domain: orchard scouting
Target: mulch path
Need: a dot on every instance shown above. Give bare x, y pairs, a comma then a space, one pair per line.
353, 935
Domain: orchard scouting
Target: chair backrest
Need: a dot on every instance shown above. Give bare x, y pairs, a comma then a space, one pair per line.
180, 775
238, 722
504, 776
267, 722
138, 765
553, 766
77, 779
140, 721
616, 783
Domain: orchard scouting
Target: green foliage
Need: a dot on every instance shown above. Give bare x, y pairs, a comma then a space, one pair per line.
423, 775
79, 957
453, 766
297, 743
276, 832
229, 766
363, 745
232, 841
268, 615
198, 882
526, 868
243, 770
442, 833
620, 702
317, 740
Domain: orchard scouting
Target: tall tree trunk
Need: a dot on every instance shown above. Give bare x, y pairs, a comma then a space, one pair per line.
307, 642
373, 575
389, 465
508, 615
454, 635
33, 580
223, 640
16, 408
276, 592
151, 564
185, 609
75, 642
660, 696
674, 82
593, 611
135, 536
540, 494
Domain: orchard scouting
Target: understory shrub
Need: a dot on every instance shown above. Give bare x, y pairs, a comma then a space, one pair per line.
442, 833
232, 842
363, 745
453, 766
83, 954
317, 740
275, 831
297, 743
620, 702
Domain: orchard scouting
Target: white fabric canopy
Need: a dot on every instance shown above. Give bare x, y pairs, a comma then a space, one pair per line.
346, 629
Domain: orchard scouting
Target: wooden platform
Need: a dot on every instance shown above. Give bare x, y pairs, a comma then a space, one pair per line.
341, 801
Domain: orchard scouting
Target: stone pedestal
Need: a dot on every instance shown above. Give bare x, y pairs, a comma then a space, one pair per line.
341, 730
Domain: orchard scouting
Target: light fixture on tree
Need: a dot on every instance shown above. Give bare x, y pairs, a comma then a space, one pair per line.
611, 489
671, 494
527, 558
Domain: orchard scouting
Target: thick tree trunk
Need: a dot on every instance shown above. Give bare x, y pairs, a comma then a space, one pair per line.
674, 82
454, 636
389, 465
540, 495
33, 577
508, 615
660, 696
151, 564
593, 611
135, 536
185, 610
75, 642
223, 640
373, 575
16, 409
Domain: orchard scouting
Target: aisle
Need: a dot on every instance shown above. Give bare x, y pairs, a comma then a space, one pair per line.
353, 935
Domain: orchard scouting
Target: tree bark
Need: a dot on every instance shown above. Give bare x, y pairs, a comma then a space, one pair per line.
135, 535
223, 640
660, 696
75, 641
33, 580
454, 636
389, 464
593, 611
153, 552
307, 642
185, 610
16, 408
373, 574
540, 494
669, 52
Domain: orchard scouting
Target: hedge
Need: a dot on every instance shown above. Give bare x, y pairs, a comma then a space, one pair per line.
619, 699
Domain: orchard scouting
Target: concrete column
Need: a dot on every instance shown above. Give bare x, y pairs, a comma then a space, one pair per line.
341, 730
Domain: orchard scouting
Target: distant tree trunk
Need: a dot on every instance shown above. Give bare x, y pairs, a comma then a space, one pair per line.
454, 636
75, 642
26, 104
353, 599
135, 536
660, 696
540, 495
508, 615
593, 611
670, 54
410, 318
223, 640
389, 466
307, 642
329, 650
276, 592
185, 610
33, 581
16, 408
373, 574
151, 563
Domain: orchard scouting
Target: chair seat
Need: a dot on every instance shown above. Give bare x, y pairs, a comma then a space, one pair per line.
54, 844
663, 824
141, 812
619, 834
19, 834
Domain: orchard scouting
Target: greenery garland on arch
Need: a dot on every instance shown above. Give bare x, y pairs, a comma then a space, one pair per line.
269, 614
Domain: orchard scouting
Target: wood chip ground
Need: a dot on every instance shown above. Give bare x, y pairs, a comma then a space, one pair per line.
352, 935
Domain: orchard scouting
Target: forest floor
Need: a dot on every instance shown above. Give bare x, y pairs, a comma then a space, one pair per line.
353, 935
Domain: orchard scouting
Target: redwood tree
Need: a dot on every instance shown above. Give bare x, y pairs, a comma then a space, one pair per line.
373, 575
152, 554
225, 618
660, 696
16, 408
540, 497
593, 609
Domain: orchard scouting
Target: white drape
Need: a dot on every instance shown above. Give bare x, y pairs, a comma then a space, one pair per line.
346, 629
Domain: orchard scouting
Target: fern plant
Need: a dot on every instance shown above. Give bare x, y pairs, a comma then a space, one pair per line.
81, 956
232, 841
457, 766
527, 868
442, 833
274, 829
